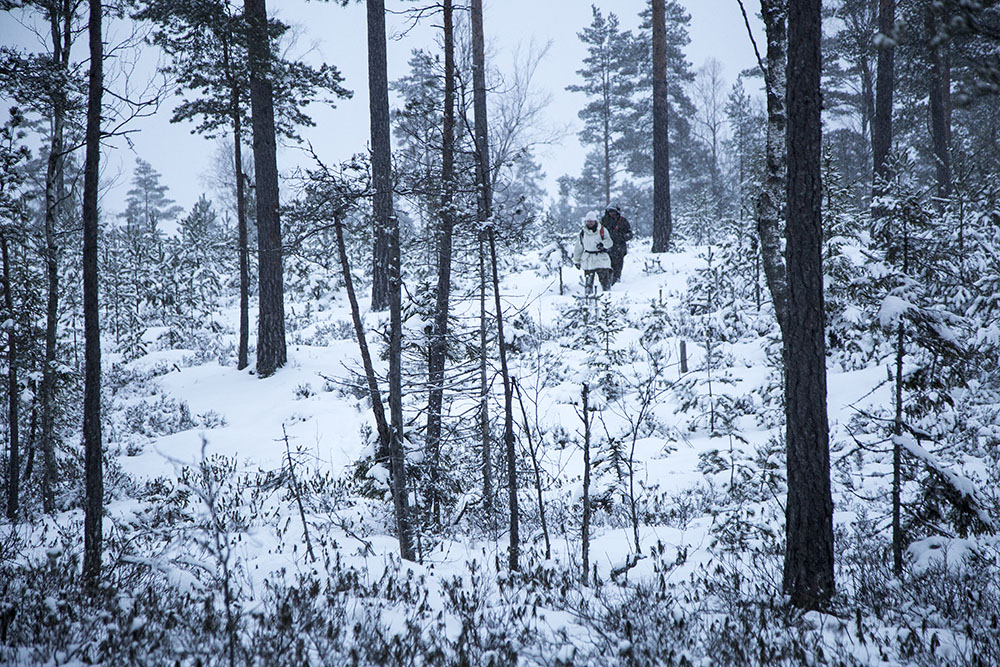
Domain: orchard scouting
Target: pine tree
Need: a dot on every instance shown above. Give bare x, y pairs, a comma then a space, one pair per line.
12, 213
51, 85
195, 258
271, 351
206, 41
609, 74
849, 81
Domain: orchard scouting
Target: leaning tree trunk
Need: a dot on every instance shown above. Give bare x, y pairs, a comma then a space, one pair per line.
884, 84
378, 107
13, 395
771, 199
438, 342
662, 224
271, 350
389, 446
93, 467
808, 568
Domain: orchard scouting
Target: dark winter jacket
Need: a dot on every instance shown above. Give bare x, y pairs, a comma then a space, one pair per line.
620, 231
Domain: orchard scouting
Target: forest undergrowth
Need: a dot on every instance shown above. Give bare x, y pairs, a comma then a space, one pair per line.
222, 559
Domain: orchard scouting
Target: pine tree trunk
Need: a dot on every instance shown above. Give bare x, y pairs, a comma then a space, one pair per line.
271, 350
585, 529
389, 448
662, 223
772, 195
55, 193
93, 465
485, 210
939, 102
897, 430
378, 95
884, 84
13, 395
397, 442
484, 412
808, 568
242, 233
508, 412
439, 336
607, 142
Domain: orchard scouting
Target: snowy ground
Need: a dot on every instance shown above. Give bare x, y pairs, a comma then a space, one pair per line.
233, 415
324, 424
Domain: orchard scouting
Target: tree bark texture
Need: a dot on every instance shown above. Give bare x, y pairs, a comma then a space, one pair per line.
770, 201
439, 335
884, 85
387, 449
13, 395
271, 350
808, 568
662, 222
378, 95
93, 465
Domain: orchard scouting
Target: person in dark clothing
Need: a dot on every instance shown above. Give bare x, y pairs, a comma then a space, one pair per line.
621, 233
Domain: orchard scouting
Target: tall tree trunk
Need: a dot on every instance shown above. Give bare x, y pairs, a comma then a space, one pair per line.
585, 528
808, 569
271, 350
60, 22
662, 223
607, 143
389, 447
242, 242
483, 211
397, 443
940, 102
884, 85
13, 395
484, 389
93, 466
439, 335
508, 411
485, 206
378, 107
770, 201
243, 248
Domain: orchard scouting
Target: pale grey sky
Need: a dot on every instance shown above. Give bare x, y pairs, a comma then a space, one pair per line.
337, 35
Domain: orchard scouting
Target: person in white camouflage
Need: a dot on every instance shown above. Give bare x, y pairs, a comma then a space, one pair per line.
591, 253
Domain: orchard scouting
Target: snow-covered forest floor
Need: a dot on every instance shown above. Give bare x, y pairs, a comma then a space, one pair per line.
246, 522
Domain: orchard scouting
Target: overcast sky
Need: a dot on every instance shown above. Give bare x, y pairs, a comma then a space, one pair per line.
337, 35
